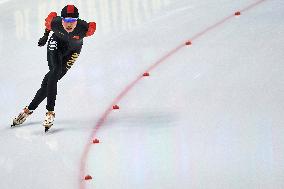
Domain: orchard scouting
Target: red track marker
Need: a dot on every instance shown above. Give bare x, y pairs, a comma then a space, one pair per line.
188, 43
115, 107
96, 141
238, 13
88, 177
146, 74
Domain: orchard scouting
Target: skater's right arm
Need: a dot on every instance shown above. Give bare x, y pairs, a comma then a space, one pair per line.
42, 41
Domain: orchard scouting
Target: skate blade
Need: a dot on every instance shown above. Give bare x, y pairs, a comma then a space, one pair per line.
47, 127
14, 124
18, 121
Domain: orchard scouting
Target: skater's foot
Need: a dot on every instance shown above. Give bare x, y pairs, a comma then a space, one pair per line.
49, 118
21, 118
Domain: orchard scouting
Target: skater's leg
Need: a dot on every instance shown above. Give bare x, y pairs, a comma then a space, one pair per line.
40, 95
54, 58
42, 92
60, 67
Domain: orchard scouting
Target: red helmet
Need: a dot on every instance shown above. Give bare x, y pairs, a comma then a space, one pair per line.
69, 11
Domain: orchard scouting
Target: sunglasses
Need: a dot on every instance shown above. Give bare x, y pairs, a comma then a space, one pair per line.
70, 20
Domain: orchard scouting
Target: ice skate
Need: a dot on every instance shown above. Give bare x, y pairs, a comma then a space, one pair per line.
21, 117
49, 118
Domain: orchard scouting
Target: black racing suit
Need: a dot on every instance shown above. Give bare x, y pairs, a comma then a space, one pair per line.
62, 51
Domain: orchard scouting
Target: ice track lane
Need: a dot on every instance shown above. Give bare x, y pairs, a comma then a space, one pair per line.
185, 43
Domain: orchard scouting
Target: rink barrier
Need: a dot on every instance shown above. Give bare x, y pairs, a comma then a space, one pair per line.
114, 105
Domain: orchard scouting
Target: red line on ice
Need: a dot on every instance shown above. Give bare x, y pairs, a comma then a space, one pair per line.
131, 85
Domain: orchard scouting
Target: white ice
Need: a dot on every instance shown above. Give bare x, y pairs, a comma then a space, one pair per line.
211, 116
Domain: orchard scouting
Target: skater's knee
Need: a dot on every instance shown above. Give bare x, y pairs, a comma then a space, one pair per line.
45, 80
44, 85
62, 74
55, 74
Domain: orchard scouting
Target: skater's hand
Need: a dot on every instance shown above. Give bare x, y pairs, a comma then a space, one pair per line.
42, 41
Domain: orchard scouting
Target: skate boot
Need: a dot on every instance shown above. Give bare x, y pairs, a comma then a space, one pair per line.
21, 117
49, 118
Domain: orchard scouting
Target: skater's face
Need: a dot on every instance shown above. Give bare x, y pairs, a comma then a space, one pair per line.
69, 26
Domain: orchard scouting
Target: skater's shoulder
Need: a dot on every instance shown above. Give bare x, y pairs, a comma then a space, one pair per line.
57, 19
82, 23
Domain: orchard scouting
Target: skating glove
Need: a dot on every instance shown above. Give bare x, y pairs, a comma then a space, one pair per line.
42, 41
91, 29
49, 19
